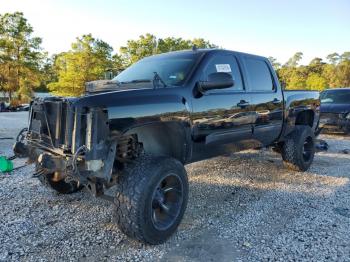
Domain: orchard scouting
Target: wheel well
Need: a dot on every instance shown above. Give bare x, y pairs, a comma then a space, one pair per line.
305, 118
168, 139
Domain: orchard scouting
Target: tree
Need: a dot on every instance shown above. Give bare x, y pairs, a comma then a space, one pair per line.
135, 50
316, 66
316, 82
172, 44
297, 79
148, 45
345, 56
328, 73
48, 73
88, 60
201, 43
276, 65
294, 60
20, 55
333, 58
342, 72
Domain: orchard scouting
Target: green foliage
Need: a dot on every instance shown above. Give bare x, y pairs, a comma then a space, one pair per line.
135, 50
316, 82
88, 60
294, 60
318, 75
276, 65
24, 67
333, 58
148, 45
20, 56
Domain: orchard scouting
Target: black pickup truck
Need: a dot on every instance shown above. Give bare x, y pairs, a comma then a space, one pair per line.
138, 131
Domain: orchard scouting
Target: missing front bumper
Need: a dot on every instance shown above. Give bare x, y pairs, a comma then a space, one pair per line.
334, 122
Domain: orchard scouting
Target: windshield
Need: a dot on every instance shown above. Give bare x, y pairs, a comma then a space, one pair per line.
336, 97
173, 69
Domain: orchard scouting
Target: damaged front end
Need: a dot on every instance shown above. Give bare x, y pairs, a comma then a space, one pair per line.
335, 122
74, 143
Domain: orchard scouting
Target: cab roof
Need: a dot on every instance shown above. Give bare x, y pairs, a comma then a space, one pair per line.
206, 51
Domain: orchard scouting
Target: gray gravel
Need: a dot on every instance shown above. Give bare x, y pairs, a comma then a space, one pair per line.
244, 207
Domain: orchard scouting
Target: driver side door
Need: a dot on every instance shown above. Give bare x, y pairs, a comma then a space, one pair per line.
222, 118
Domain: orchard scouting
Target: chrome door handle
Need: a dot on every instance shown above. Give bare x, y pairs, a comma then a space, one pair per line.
243, 103
276, 101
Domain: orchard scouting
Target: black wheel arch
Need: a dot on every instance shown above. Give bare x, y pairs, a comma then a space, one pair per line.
306, 118
170, 139
301, 117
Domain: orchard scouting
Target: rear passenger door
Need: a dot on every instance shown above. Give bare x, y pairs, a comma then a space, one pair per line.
267, 99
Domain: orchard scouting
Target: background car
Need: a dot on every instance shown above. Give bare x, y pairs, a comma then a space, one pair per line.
335, 110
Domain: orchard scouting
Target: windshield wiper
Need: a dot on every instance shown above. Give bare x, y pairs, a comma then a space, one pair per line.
157, 79
136, 81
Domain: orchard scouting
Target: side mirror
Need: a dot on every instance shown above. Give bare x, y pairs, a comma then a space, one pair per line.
217, 80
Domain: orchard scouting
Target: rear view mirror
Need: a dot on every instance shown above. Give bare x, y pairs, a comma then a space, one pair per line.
217, 80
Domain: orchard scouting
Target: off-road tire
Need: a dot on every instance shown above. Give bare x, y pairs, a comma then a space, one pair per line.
293, 149
61, 186
135, 196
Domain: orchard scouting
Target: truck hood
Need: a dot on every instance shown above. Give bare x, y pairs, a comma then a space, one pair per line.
335, 108
132, 95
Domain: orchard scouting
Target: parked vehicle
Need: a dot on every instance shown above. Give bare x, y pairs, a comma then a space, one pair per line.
2, 107
23, 107
138, 130
335, 110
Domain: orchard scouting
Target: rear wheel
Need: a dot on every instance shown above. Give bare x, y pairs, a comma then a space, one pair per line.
298, 150
151, 199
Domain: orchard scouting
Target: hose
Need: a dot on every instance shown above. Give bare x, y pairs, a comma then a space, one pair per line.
79, 151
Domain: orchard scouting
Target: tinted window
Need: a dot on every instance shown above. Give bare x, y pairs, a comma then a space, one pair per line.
336, 97
172, 68
259, 75
228, 64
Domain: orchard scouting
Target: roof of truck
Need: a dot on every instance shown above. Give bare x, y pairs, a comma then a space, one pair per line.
206, 50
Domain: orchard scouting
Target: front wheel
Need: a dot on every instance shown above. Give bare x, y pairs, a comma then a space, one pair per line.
298, 150
151, 198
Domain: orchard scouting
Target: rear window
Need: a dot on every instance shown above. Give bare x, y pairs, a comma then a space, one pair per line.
259, 75
336, 97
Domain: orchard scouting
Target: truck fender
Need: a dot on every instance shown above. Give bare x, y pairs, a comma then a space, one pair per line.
165, 138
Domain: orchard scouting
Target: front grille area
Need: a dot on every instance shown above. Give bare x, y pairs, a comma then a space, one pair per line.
330, 118
58, 126
51, 123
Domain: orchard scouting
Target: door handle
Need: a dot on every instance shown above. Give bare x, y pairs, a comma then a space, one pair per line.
276, 101
243, 103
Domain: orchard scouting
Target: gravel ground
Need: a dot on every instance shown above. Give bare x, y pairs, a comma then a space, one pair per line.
244, 207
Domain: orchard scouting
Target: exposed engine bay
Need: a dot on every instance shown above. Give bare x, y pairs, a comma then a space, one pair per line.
75, 143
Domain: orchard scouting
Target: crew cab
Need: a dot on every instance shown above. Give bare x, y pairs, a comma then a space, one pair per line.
137, 131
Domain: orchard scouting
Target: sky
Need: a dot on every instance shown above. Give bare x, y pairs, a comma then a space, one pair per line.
268, 28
